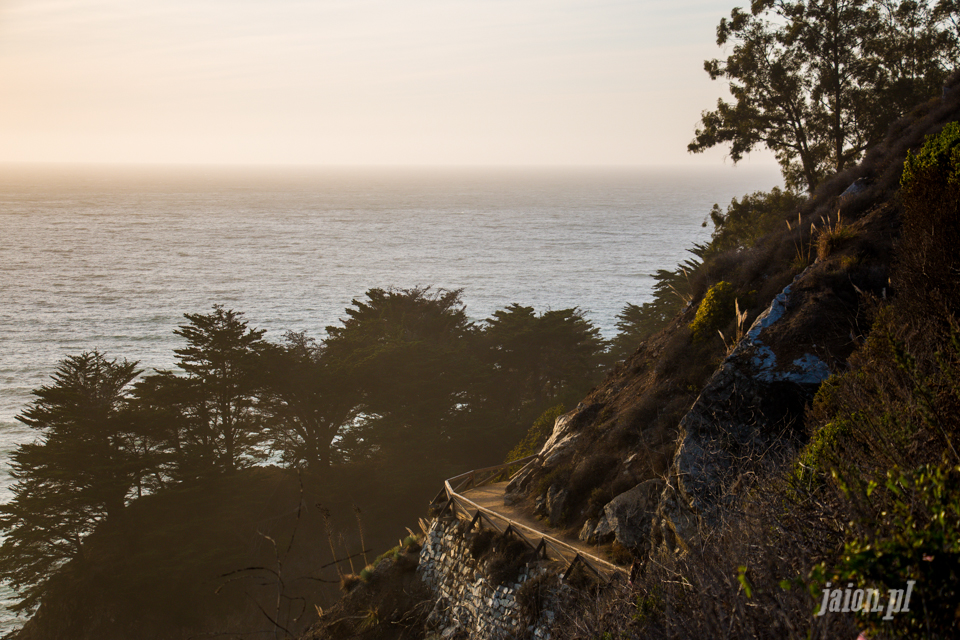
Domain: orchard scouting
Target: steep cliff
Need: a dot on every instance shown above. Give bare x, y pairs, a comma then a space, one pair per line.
748, 454
699, 414
705, 449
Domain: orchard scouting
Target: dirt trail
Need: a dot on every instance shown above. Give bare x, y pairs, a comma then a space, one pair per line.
491, 497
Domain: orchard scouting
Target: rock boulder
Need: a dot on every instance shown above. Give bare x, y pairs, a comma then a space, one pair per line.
629, 516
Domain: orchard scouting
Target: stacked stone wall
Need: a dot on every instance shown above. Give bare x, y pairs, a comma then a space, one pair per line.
468, 604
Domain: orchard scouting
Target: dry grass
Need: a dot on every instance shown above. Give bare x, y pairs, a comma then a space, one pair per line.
831, 235
348, 582
732, 586
740, 319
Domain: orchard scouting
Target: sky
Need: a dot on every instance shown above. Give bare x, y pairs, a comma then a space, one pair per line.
357, 82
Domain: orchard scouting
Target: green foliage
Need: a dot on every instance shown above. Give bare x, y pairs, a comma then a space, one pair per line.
537, 435
392, 553
716, 309
406, 332
917, 538
887, 449
748, 219
407, 356
819, 454
744, 581
158, 565
648, 605
218, 427
308, 401
671, 291
939, 158
539, 360
407, 388
928, 259
819, 81
636, 323
871, 416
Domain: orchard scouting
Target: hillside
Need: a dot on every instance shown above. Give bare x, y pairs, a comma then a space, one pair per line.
793, 426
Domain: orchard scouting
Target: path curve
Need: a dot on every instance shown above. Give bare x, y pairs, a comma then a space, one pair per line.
491, 496
473, 496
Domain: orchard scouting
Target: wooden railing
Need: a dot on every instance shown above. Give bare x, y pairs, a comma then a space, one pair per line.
450, 498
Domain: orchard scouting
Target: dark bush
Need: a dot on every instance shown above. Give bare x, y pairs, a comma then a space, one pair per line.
594, 472
927, 271
534, 594
508, 556
481, 542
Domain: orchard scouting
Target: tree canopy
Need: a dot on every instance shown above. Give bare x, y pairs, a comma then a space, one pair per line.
308, 401
219, 426
406, 385
79, 471
539, 360
406, 353
819, 81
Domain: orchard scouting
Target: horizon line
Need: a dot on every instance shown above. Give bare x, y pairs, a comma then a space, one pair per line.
744, 164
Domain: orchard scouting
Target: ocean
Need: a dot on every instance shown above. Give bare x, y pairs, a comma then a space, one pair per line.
110, 258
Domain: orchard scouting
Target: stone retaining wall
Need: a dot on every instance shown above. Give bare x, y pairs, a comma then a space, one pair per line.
468, 604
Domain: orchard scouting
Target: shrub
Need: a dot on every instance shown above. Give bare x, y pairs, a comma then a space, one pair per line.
583, 580
812, 462
918, 539
348, 581
481, 542
592, 473
715, 311
599, 498
508, 556
671, 291
534, 594
940, 156
830, 236
369, 620
928, 260
649, 605
749, 218
621, 555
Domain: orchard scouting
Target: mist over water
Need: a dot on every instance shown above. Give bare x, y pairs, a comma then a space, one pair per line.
111, 259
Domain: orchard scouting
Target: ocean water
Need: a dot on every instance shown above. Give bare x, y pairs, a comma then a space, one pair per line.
111, 258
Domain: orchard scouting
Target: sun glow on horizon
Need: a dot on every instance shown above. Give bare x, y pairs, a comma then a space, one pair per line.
526, 82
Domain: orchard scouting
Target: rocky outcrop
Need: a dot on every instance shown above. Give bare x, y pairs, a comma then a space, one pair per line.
563, 441
755, 398
627, 518
552, 504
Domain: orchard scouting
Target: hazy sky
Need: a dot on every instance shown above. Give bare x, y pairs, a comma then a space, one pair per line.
357, 81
